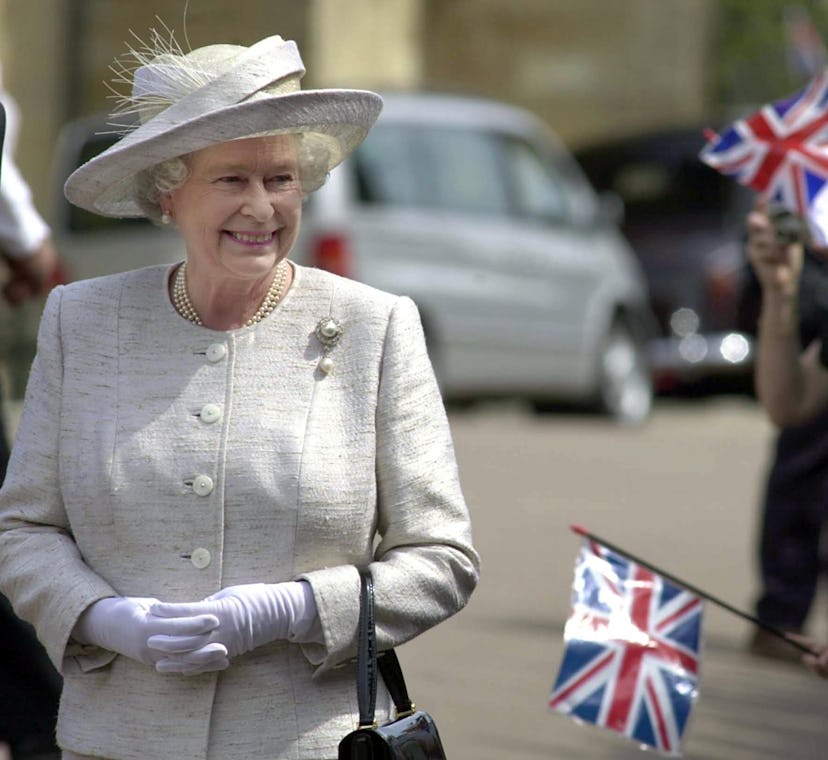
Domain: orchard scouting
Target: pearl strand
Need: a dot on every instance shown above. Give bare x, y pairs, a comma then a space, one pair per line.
184, 306
181, 299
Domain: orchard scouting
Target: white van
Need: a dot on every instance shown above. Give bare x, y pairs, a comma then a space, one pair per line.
525, 286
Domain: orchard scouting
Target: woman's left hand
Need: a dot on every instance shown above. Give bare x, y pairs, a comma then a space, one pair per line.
249, 615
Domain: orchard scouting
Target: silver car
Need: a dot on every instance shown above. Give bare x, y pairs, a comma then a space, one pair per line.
524, 283
472, 208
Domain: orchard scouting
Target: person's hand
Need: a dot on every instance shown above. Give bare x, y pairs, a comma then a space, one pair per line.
124, 624
778, 266
205, 659
818, 661
33, 276
248, 616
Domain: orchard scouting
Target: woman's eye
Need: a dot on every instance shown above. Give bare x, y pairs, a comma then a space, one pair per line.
230, 179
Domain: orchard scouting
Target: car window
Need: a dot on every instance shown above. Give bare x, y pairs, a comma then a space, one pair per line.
466, 171
432, 167
654, 187
660, 177
538, 190
386, 167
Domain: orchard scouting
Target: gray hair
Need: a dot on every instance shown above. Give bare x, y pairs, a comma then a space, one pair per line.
163, 178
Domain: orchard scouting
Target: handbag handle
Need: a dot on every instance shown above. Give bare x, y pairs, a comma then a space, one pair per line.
366, 653
368, 662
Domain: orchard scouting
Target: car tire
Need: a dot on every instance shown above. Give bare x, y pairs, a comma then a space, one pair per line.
625, 383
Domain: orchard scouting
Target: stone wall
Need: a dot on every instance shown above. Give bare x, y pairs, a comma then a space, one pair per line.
33, 44
591, 68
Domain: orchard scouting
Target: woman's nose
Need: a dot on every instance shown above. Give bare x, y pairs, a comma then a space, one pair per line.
257, 202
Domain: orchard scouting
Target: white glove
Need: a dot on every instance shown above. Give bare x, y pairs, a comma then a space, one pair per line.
249, 615
124, 624
208, 658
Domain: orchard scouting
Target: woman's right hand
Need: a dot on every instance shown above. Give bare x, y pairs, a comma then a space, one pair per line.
778, 266
124, 624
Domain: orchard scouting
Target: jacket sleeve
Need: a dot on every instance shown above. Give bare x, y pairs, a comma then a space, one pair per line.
41, 570
425, 567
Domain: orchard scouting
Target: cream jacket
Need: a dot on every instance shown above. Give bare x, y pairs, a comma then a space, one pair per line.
161, 459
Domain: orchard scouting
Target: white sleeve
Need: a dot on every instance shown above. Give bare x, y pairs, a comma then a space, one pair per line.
42, 572
22, 228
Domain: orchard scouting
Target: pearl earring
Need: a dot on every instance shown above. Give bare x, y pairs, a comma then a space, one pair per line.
165, 218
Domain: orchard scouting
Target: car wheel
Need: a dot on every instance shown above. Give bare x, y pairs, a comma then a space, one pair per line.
625, 385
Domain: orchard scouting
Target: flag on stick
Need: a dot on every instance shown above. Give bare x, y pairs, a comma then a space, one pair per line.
631, 662
781, 151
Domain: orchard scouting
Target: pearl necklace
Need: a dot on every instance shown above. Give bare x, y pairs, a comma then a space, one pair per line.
184, 306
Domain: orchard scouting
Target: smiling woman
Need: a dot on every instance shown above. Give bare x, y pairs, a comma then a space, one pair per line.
239, 210
180, 521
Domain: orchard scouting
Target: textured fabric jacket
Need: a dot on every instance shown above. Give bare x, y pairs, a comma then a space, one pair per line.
160, 459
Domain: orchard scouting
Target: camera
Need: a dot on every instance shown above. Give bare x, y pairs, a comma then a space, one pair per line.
789, 227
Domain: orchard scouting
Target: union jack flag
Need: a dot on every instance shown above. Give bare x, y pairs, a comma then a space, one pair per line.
781, 151
631, 662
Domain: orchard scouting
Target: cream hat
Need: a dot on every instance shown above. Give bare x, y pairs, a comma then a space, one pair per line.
213, 94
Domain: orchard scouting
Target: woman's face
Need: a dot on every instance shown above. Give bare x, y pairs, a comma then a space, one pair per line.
240, 207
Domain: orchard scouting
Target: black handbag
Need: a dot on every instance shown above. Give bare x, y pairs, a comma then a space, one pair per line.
412, 735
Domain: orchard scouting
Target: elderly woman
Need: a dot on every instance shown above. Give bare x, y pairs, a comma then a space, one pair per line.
209, 452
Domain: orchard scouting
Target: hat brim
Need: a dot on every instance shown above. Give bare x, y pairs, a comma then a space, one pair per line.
105, 184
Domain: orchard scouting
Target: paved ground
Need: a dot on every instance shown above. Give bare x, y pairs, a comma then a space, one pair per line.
681, 492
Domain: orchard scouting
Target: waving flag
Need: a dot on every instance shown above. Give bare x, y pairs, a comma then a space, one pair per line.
781, 151
631, 662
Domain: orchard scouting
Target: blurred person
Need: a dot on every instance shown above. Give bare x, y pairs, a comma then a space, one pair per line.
26, 247
210, 451
29, 684
792, 385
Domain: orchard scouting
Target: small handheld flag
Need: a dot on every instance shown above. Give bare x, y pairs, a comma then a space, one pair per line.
706, 595
631, 662
781, 151
632, 656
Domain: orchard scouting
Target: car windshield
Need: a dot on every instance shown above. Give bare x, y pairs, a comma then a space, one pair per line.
450, 168
660, 178
462, 170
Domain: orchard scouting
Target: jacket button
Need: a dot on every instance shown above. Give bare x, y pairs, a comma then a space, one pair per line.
216, 352
203, 485
210, 413
200, 558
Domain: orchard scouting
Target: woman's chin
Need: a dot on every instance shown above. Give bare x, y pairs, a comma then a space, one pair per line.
251, 258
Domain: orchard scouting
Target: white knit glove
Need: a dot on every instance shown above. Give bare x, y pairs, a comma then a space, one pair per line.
124, 624
248, 616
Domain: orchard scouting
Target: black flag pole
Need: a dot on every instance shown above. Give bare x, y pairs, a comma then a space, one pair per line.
581, 531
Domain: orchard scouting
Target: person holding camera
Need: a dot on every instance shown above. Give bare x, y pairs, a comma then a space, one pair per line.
792, 385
